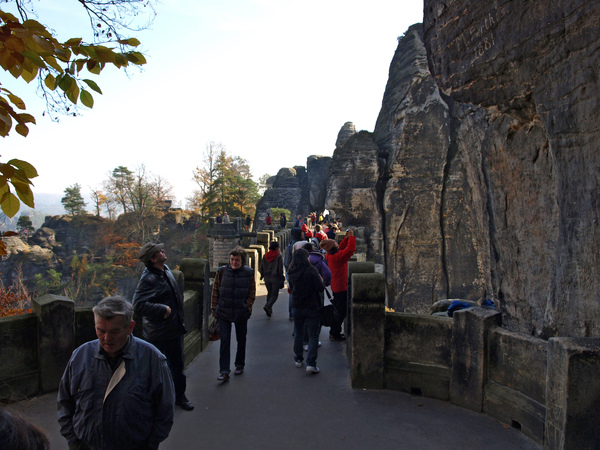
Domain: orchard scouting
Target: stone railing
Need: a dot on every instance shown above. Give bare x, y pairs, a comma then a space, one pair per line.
550, 390
37, 346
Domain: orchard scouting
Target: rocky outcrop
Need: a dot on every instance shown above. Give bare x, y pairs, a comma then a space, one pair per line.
317, 169
531, 68
299, 190
352, 190
480, 179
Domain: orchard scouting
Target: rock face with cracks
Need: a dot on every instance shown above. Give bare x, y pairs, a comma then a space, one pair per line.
480, 180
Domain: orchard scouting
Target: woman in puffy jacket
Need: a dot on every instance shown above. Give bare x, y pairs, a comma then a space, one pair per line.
234, 292
306, 285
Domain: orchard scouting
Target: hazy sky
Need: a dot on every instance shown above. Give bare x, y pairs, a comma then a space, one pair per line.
272, 80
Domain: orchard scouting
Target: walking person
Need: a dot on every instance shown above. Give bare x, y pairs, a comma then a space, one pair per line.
337, 259
116, 391
317, 259
158, 299
271, 269
233, 294
306, 285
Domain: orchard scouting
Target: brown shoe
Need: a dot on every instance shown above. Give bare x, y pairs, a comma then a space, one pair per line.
223, 377
238, 371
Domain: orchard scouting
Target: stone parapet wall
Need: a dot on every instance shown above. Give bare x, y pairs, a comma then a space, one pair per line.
37, 346
547, 389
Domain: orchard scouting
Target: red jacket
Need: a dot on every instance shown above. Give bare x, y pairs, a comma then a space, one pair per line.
338, 264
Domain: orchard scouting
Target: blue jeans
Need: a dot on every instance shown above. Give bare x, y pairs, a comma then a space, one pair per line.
241, 328
311, 319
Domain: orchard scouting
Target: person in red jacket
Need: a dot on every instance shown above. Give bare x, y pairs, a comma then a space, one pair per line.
337, 259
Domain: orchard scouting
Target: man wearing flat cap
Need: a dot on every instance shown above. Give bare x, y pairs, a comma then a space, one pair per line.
158, 300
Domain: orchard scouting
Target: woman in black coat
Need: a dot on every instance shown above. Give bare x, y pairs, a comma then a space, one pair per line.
306, 284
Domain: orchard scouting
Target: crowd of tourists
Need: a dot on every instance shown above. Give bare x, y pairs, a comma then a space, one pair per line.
119, 391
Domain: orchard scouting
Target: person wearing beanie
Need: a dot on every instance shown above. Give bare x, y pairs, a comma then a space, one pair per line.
337, 259
271, 269
159, 300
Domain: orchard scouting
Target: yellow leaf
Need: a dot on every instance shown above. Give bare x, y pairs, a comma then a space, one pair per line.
73, 42
22, 129
35, 58
86, 98
25, 118
7, 170
133, 42
140, 58
29, 75
16, 101
24, 193
50, 82
4, 115
65, 81
92, 84
51, 60
10, 204
29, 170
73, 93
35, 26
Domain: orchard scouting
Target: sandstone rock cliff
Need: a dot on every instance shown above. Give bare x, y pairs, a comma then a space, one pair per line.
532, 68
480, 180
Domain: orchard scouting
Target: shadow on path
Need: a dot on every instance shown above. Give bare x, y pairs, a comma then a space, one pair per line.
275, 405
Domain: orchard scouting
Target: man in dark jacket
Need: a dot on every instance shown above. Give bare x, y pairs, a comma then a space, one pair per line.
158, 300
271, 269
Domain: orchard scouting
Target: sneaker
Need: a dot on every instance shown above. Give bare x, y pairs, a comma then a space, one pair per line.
298, 363
268, 310
223, 377
305, 347
339, 337
312, 369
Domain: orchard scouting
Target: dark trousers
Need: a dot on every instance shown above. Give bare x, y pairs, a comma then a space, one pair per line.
272, 285
241, 329
340, 303
173, 350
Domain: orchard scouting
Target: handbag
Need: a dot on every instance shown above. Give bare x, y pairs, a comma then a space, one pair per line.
214, 333
328, 315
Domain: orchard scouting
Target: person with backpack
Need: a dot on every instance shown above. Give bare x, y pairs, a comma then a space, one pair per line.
306, 285
271, 269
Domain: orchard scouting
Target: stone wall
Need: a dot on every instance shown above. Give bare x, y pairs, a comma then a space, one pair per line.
547, 389
37, 346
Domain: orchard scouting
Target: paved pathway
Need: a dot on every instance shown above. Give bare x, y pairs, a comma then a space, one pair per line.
275, 405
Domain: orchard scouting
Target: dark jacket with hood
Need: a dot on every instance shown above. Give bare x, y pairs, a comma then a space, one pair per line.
271, 266
155, 291
306, 284
234, 291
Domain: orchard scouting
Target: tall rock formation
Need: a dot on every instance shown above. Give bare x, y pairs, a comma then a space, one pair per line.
352, 187
480, 180
533, 69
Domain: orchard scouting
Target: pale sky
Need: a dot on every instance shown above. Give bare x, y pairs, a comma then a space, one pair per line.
271, 80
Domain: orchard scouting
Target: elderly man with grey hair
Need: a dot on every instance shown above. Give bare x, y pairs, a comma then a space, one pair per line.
116, 391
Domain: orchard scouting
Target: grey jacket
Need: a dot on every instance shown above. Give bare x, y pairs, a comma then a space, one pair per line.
138, 412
